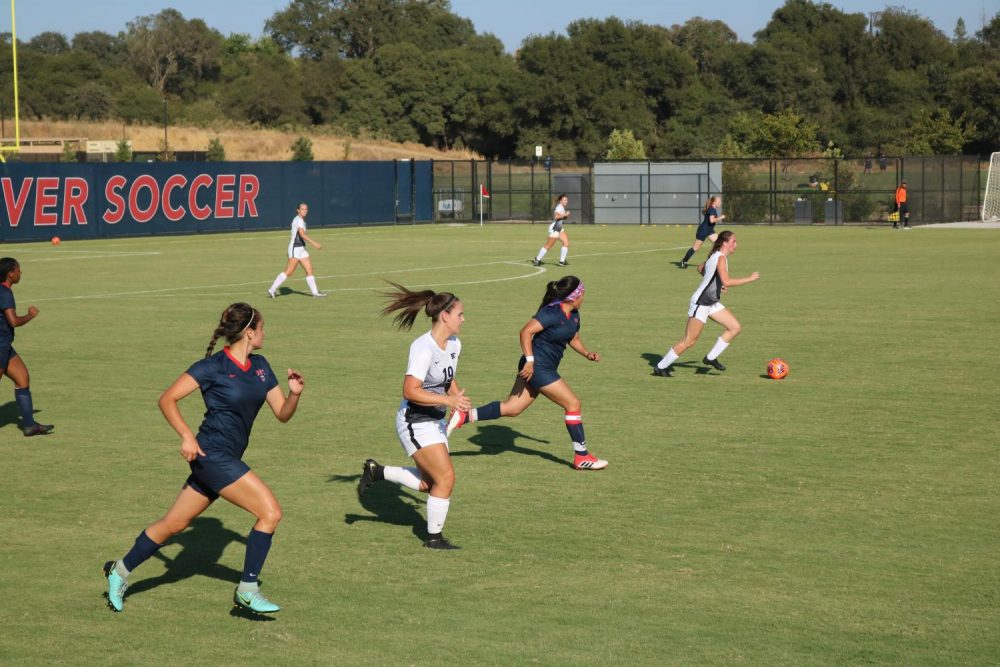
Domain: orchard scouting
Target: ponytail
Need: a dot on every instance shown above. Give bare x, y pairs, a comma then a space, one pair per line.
410, 303
557, 290
708, 205
233, 323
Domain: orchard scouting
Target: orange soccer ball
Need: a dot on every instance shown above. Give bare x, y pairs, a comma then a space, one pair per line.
55, 240
777, 369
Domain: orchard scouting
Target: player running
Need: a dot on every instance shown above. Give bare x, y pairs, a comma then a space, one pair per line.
297, 255
11, 363
706, 230
556, 231
429, 388
543, 340
705, 304
234, 384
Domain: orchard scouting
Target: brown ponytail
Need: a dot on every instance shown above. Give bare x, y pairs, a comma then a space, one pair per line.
410, 303
234, 321
708, 205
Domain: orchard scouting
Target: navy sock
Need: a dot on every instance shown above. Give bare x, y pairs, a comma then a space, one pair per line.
258, 544
140, 551
23, 398
688, 254
488, 411
574, 424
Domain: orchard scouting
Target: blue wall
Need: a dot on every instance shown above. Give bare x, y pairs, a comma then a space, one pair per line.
78, 201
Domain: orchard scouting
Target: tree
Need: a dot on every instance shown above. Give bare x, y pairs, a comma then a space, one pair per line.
785, 134
123, 150
622, 145
216, 152
109, 49
49, 43
170, 52
936, 133
302, 150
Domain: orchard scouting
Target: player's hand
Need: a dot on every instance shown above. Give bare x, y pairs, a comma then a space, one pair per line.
296, 383
754, 276
318, 246
527, 370
32, 312
593, 356
701, 268
459, 401
190, 449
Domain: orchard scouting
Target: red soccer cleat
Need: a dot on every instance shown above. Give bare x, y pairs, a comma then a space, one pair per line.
458, 418
589, 462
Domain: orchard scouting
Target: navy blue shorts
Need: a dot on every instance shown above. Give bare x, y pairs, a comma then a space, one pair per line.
542, 377
704, 231
7, 353
214, 472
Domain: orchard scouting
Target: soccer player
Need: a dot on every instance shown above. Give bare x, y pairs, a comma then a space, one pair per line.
429, 388
543, 340
902, 207
705, 304
297, 254
706, 230
556, 231
234, 384
11, 363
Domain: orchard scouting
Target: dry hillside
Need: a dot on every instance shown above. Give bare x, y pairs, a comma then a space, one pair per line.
240, 142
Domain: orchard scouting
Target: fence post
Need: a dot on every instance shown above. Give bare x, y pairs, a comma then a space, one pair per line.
531, 199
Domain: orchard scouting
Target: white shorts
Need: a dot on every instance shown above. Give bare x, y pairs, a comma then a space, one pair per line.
297, 252
419, 435
702, 313
553, 232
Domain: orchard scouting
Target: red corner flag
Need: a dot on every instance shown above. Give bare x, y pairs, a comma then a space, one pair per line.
483, 191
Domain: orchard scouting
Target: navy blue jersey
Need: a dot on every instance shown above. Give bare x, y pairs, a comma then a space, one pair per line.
712, 212
559, 329
6, 301
233, 396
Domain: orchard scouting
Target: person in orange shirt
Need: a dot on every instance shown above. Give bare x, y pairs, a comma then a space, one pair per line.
902, 207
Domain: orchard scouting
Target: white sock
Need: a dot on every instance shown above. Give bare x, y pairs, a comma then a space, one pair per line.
720, 347
541, 253
473, 415
248, 587
277, 282
669, 358
562, 253
408, 477
437, 512
311, 281
121, 570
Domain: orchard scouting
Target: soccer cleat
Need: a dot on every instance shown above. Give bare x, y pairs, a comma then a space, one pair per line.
271, 295
439, 541
663, 372
536, 262
367, 476
37, 429
116, 587
458, 418
255, 601
589, 462
563, 263
906, 227
320, 294
714, 363
683, 264
894, 226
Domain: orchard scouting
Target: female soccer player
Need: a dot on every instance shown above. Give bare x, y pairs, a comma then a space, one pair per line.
11, 363
556, 231
297, 255
429, 388
706, 230
543, 340
234, 384
705, 304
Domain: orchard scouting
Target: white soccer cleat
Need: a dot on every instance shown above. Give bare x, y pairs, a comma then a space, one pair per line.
458, 418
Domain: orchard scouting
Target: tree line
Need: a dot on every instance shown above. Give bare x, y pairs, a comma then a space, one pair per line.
815, 79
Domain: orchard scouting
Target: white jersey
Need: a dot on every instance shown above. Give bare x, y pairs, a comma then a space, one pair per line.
710, 289
557, 219
435, 368
296, 240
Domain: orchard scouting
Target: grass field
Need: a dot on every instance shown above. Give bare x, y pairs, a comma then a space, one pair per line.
845, 515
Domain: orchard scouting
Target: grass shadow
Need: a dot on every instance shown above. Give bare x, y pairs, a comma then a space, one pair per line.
201, 545
495, 439
387, 503
700, 369
288, 291
9, 414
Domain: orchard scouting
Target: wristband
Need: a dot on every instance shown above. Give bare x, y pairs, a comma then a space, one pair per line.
529, 359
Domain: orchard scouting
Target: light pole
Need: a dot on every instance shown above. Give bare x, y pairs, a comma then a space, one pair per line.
166, 144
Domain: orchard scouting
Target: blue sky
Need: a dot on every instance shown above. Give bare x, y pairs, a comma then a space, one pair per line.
511, 21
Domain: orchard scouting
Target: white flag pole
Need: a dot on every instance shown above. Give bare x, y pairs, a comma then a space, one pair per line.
480, 204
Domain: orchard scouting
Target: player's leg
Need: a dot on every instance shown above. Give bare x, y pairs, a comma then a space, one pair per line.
436, 468
691, 333
18, 373
690, 252
188, 505
282, 277
521, 396
549, 242
310, 278
250, 492
726, 318
559, 392
564, 251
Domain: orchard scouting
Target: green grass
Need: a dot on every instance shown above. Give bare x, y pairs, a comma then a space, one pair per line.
845, 515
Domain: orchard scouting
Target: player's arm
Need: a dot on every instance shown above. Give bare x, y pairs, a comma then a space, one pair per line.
578, 345
305, 237
528, 332
182, 387
284, 407
715, 218
413, 391
15, 320
727, 280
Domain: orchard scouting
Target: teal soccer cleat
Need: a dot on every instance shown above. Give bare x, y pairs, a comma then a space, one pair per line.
116, 587
255, 601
